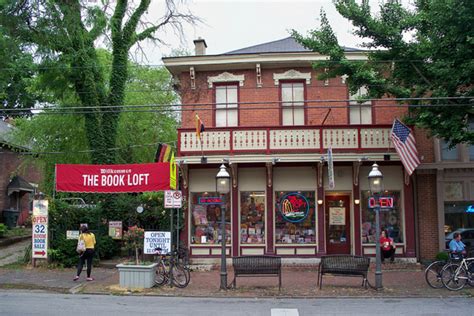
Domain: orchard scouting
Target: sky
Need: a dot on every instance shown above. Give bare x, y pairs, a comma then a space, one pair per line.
233, 24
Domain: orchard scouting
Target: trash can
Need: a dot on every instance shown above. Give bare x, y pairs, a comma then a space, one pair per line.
10, 217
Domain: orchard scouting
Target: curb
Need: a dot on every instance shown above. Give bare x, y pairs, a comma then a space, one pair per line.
12, 240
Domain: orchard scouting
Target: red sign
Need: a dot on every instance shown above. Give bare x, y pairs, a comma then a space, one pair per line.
384, 201
113, 178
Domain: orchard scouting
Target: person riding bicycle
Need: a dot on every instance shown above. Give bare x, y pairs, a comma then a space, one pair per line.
456, 247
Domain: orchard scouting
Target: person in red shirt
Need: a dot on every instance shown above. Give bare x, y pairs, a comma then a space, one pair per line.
387, 245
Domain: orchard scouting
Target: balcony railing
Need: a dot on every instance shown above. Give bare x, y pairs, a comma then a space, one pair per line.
362, 138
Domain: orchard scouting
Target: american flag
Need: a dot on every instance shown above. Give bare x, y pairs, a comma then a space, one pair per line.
405, 146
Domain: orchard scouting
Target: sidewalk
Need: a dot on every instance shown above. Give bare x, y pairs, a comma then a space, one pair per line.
399, 280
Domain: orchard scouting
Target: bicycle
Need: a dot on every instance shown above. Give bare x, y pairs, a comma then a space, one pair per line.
170, 270
433, 272
454, 276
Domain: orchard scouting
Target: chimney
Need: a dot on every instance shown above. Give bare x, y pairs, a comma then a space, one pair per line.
200, 47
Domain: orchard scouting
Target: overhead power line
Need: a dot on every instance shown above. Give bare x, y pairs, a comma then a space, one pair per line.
155, 107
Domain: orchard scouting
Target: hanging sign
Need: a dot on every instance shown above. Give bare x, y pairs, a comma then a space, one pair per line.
331, 183
294, 207
145, 177
172, 172
173, 199
39, 234
155, 240
337, 216
115, 229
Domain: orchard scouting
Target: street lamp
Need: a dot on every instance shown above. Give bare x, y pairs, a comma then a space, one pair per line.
223, 188
376, 188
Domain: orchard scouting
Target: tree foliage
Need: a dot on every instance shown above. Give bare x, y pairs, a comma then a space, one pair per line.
59, 135
64, 35
422, 52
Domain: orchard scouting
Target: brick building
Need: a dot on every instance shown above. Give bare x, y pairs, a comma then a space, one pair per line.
19, 178
270, 120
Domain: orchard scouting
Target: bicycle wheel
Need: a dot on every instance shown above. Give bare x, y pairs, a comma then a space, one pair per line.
160, 274
433, 274
454, 277
470, 269
180, 276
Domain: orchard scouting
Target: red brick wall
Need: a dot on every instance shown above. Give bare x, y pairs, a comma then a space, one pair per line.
427, 216
268, 114
424, 144
11, 164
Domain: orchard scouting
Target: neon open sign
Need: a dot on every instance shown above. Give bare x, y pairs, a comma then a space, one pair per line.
384, 202
210, 200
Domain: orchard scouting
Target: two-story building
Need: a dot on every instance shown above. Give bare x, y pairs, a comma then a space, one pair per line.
272, 122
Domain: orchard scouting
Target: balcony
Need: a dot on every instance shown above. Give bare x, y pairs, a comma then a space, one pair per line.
294, 139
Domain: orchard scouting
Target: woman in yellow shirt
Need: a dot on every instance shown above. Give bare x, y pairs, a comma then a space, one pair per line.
89, 241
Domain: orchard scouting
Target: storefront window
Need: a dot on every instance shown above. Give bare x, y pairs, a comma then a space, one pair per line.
295, 217
458, 215
252, 217
391, 220
206, 218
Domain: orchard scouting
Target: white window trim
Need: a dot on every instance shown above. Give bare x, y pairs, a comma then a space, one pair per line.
226, 77
292, 75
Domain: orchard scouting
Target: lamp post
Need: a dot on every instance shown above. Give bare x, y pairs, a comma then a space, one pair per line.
376, 188
223, 188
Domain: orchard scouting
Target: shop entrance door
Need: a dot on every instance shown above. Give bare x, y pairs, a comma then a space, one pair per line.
338, 226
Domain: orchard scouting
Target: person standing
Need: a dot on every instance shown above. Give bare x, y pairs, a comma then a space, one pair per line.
387, 245
88, 254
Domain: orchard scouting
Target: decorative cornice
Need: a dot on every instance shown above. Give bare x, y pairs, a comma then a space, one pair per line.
226, 77
292, 75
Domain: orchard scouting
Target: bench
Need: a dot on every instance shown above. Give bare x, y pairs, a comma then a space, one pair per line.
344, 265
249, 266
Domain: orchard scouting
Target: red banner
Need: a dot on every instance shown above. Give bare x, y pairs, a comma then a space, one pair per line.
113, 178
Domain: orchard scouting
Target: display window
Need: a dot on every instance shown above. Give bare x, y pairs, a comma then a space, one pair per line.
390, 219
206, 218
252, 217
458, 215
295, 217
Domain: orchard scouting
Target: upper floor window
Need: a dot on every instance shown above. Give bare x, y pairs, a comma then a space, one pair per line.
226, 105
292, 97
448, 153
360, 112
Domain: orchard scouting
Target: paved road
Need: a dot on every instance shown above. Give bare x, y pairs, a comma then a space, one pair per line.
13, 253
37, 303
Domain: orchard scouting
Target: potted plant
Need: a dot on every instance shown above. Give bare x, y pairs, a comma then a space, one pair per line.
137, 274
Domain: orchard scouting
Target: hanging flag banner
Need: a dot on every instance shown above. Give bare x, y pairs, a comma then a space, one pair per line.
172, 172
145, 177
331, 183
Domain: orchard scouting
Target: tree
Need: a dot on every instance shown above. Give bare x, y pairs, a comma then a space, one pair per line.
16, 72
64, 34
422, 53
59, 133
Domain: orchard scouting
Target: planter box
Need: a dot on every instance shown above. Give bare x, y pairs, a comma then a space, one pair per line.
137, 276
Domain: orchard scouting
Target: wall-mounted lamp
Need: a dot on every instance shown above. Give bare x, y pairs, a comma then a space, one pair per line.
320, 202
357, 201
275, 160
